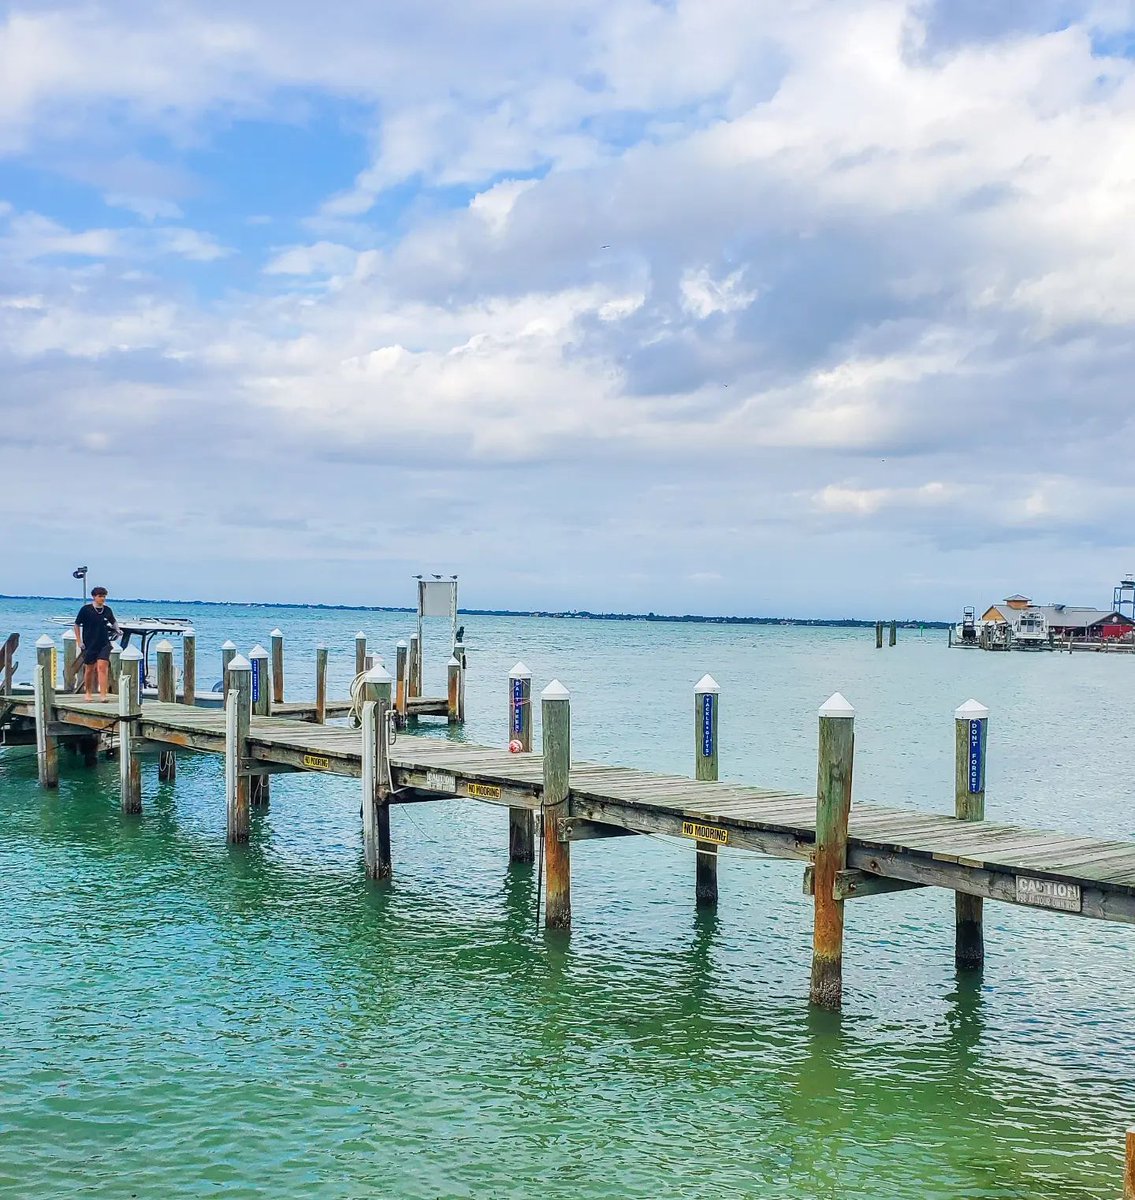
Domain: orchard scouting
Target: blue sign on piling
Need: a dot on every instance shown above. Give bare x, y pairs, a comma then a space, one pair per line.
976, 758
255, 679
517, 704
707, 725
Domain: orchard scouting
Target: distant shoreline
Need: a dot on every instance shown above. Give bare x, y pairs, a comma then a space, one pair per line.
573, 615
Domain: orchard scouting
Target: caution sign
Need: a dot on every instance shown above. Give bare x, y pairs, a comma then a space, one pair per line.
705, 833
317, 762
482, 791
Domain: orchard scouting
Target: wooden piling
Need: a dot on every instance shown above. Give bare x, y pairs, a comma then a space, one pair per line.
47, 747
833, 808
401, 677
360, 653
707, 701
521, 826
971, 728
261, 706
894, 633
277, 641
238, 712
878, 635
70, 654
129, 710
555, 711
321, 684
228, 653
1129, 1171
189, 666
452, 690
167, 694
415, 667
114, 671
376, 695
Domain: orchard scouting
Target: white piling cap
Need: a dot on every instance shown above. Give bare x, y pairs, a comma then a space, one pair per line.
836, 706
190, 632
227, 645
453, 662
44, 642
164, 646
706, 683
68, 634
377, 674
240, 663
321, 645
131, 654
276, 633
972, 710
257, 651
360, 636
520, 671
555, 691
401, 644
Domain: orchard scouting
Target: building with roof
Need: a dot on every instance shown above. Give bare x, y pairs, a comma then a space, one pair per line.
1062, 620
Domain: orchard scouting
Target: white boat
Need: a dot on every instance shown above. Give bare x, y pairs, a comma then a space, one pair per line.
1030, 631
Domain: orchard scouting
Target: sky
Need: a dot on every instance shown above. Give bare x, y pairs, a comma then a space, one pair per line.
692, 306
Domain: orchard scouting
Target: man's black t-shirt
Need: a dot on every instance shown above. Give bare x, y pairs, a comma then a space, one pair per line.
95, 626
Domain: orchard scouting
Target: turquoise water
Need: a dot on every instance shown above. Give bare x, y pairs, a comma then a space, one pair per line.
185, 1019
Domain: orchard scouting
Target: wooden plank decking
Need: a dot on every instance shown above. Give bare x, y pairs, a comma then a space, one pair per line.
981, 858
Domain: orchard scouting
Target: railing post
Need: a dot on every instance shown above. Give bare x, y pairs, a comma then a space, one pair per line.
129, 710
228, 653
833, 809
707, 702
189, 667
521, 826
167, 694
971, 728
321, 684
555, 711
70, 654
360, 653
401, 678
238, 714
47, 747
277, 641
261, 704
453, 690
376, 695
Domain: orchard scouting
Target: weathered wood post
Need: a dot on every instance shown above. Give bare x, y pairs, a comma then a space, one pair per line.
277, 640
833, 808
521, 826
461, 686
971, 728
452, 690
707, 702
894, 633
360, 653
878, 635
261, 705
321, 684
189, 666
1129, 1172
376, 695
238, 714
555, 712
415, 665
167, 694
129, 710
401, 677
114, 671
228, 653
70, 654
47, 747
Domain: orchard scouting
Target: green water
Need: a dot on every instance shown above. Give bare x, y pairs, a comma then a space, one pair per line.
184, 1019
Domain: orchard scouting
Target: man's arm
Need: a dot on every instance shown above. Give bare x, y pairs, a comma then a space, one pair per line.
78, 633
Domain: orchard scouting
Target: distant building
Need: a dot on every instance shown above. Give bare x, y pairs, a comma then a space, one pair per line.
1062, 620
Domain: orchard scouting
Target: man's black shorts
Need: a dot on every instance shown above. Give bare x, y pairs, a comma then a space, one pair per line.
97, 654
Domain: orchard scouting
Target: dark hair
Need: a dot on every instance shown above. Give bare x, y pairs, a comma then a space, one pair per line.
99, 591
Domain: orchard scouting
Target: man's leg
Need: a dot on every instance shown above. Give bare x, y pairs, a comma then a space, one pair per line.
88, 679
104, 677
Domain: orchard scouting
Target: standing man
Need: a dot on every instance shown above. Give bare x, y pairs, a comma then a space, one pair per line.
95, 627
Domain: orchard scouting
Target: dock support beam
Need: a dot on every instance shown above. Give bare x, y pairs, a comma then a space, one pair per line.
521, 826
707, 701
971, 727
228, 653
894, 638
321, 684
238, 714
401, 678
878, 635
415, 666
376, 694
833, 809
453, 691
277, 642
167, 694
189, 667
360, 653
47, 747
555, 712
261, 706
129, 710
